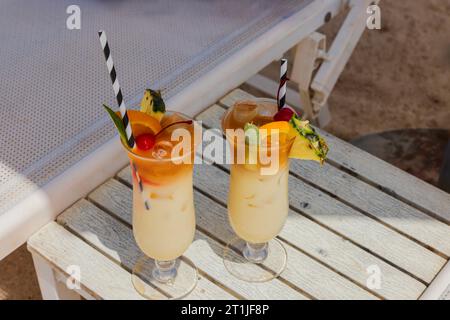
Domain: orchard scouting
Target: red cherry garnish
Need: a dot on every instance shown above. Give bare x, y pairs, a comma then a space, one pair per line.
145, 141
284, 114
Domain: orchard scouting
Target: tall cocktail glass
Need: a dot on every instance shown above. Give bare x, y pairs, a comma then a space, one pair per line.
163, 213
258, 194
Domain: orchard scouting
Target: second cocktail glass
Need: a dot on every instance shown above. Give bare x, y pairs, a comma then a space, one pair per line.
258, 202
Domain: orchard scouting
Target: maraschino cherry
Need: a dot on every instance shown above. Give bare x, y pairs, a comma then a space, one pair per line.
145, 141
284, 114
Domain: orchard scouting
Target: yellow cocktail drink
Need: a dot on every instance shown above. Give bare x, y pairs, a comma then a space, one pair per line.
258, 194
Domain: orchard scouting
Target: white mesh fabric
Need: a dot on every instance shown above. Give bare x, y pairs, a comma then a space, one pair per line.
53, 81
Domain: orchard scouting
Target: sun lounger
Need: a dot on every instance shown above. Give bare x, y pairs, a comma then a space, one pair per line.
57, 142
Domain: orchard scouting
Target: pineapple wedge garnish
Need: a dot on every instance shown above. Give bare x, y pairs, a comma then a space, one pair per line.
153, 104
308, 145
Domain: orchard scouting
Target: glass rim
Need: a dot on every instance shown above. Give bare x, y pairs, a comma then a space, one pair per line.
171, 159
286, 144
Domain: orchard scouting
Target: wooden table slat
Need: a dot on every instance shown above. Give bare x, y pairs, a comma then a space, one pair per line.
393, 212
368, 233
391, 179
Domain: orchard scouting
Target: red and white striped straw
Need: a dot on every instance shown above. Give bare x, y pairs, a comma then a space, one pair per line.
281, 96
116, 87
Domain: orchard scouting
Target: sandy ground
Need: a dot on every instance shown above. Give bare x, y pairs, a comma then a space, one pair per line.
397, 78
17, 276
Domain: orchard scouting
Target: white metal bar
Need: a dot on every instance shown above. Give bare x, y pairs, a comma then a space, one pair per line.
44, 205
254, 57
340, 51
305, 60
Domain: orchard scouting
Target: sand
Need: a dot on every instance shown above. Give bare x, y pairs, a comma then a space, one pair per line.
397, 78
17, 276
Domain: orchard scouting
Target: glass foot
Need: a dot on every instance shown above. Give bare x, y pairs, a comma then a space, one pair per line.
164, 280
255, 262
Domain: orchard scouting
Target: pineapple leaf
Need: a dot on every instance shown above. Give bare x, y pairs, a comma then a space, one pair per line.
118, 123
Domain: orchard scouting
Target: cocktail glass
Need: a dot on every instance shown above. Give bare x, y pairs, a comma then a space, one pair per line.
258, 202
164, 215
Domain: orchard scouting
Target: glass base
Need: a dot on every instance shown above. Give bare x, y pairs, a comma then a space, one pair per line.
164, 280
255, 262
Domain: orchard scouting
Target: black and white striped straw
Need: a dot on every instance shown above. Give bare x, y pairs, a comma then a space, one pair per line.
116, 87
122, 107
141, 187
282, 88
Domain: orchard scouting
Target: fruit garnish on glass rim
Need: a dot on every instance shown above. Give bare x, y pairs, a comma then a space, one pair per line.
141, 123
251, 133
145, 124
256, 135
282, 128
118, 123
145, 141
284, 114
308, 144
153, 104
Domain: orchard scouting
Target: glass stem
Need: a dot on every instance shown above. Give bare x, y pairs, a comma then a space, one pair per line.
165, 271
256, 252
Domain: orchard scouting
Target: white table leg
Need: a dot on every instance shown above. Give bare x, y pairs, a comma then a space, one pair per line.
51, 288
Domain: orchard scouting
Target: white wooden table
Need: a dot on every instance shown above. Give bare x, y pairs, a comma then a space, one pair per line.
358, 228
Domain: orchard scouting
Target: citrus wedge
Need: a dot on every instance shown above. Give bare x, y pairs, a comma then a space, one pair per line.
142, 123
281, 127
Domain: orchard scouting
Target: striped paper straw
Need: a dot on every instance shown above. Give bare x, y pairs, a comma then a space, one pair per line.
281, 96
141, 187
116, 87
123, 108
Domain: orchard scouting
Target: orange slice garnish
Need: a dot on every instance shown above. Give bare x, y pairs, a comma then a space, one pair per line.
280, 127
142, 123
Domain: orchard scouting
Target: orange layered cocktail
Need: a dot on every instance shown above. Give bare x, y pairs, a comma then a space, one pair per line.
161, 161
163, 206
